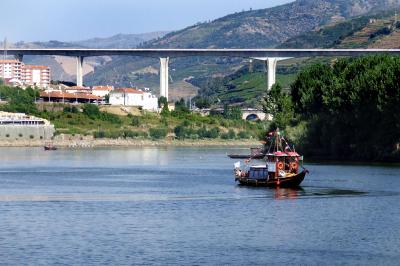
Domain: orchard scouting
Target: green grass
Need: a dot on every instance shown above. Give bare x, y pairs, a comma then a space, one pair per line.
141, 126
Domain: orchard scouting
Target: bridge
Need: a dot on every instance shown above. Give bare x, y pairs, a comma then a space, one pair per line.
270, 56
249, 114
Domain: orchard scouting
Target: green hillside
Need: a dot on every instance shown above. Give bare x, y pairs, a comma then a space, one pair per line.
249, 29
244, 87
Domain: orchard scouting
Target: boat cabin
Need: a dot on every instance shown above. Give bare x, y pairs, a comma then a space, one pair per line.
283, 162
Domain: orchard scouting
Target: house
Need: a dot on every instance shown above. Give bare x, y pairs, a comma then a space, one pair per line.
78, 89
102, 91
134, 97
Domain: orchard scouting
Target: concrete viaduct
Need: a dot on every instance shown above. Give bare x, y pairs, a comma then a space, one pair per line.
270, 56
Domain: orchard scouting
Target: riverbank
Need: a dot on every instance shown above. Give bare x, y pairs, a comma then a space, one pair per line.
87, 142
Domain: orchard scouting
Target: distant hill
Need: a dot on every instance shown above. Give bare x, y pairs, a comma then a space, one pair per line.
64, 68
378, 30
264, 28
121, 40
297, 24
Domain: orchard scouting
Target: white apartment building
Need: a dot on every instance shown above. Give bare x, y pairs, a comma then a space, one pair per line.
10, 69
36, 76
16, 72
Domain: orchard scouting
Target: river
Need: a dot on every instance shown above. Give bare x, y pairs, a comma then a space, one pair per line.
180, 206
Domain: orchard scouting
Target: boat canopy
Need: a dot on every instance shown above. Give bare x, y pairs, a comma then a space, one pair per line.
284, 154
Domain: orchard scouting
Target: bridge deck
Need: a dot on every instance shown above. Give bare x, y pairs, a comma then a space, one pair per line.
248, 53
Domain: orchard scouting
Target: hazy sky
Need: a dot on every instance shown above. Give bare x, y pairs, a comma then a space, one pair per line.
71, 20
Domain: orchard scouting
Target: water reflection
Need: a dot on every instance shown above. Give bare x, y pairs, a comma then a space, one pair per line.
287, 193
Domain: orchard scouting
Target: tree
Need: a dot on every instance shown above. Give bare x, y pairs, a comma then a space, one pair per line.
279, 105
91, 110
203, 102
162, 101
180, 106
234, 113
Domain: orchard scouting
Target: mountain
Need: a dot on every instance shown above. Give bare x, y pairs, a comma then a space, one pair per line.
64, 68
248, 85
264, 28
121, 40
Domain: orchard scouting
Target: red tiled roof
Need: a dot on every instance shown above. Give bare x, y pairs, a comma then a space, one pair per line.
128, 90
35, 67
78, 88
9, 61
67, 95
103, 88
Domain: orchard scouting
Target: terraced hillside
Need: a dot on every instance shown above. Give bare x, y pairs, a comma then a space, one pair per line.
247, 88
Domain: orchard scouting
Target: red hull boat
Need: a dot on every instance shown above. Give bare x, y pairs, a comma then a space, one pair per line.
280, 169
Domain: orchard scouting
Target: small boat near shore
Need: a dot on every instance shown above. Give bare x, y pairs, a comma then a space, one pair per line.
281, 167
255, 153
49, 147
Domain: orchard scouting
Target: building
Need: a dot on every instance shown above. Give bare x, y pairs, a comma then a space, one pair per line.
10, 69
67, 97
19, 73
102, 91
38, 76
134, 97
78, 89
18, 126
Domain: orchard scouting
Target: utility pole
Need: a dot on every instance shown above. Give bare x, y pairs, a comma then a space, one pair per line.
4, 57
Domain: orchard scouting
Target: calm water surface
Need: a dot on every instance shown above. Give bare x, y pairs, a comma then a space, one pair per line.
181, 206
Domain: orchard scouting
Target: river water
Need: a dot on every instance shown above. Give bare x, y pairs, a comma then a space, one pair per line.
181, 206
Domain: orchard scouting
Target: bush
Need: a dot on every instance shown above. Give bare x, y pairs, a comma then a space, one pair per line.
203, 133
230, 135
180, 132
158, 133
31, 136
70, 109
91, 110
243, 135
99, 135
135, 121
131, 134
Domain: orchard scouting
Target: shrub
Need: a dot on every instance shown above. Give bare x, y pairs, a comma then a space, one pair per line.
158, 133
131, 134
135, 121
230, 135
99, 134
180, 132
213, 133
20, 135
91, 110
31, 136
243, 135
70, 109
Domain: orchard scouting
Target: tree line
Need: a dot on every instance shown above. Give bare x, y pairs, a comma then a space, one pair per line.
348, 110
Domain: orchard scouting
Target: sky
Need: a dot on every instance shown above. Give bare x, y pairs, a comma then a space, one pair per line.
73, 20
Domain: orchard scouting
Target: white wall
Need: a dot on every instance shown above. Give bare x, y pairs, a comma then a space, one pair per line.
146, 100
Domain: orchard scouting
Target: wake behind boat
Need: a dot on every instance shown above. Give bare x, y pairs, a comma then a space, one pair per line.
281, 167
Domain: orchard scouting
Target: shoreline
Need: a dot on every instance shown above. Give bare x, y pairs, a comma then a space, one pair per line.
94, 143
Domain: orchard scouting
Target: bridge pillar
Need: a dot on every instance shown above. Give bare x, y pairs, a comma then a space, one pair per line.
79, 71
19, 57
164, 77
270, 64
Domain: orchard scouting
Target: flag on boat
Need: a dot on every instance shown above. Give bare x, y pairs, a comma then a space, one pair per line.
237, 165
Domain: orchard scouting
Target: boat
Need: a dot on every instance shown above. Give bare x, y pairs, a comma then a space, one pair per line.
255, 153
50, 147
281, 166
